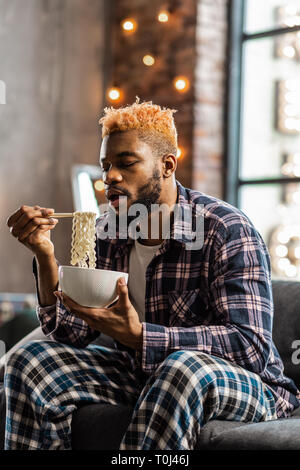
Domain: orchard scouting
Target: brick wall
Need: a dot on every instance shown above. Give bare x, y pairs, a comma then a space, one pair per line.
173, 45
192, 42
210, 89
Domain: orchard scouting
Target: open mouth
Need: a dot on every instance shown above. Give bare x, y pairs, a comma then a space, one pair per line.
114, 197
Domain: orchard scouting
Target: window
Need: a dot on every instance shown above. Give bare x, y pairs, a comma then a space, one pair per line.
86, 195
263, 148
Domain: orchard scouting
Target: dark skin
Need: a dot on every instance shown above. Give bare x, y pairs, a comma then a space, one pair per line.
129, 163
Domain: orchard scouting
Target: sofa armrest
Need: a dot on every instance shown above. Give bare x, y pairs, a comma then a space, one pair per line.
35, 335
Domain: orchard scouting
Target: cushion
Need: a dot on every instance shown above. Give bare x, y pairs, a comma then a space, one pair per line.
102, 426
281, 434
286, 328
99, 426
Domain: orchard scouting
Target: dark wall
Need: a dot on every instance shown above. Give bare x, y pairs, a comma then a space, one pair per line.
52, 59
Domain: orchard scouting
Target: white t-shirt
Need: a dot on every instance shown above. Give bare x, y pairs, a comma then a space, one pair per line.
139, 258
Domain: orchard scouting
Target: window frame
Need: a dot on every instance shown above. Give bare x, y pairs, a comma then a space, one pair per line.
237, 38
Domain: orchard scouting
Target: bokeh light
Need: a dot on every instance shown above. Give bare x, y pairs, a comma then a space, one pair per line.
181, 84
114, 94
148, 60
99, 185
129, 25
163, 16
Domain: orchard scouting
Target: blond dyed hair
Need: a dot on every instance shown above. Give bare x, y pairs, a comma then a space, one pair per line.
155, 125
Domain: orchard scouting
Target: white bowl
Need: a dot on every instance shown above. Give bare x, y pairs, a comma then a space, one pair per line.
90, 287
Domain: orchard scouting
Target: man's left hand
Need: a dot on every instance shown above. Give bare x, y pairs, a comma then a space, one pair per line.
120, 321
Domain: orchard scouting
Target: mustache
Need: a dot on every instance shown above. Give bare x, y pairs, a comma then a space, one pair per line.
124, 191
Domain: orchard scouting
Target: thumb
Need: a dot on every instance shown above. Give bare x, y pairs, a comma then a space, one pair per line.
123, 291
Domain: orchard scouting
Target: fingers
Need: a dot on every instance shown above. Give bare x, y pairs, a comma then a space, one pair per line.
123, 293
32, 229
35, 224
23, 228
83, 312
75, 309
27, 213
26, 219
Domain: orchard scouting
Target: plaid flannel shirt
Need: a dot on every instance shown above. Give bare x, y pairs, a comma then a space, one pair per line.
216, 299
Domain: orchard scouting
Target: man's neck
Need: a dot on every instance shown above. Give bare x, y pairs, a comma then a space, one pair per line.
163, 225
161, 228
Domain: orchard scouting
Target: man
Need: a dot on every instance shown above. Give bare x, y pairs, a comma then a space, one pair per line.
192, 329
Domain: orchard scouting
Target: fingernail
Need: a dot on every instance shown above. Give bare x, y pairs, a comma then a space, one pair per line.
122, 281
47, 212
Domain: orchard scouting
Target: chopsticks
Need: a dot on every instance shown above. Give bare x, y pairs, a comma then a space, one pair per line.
61, 215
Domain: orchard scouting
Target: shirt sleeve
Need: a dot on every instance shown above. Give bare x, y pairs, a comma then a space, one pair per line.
60, 325
242, 307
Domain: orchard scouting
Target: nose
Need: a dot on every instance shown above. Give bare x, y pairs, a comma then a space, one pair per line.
111, 175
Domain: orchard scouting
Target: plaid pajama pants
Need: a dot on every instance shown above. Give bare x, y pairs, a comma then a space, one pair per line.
45, 381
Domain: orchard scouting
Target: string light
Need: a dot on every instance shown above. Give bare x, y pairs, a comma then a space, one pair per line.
291, 167
289, 51
289, 15
129, 25
179, 152
163, 16
181, 84
285, 250
288, 109
281, 251
288, 45
148, 60
99, 185
114, 94
296, 197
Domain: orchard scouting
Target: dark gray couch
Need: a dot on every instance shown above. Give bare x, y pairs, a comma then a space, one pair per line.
101, 427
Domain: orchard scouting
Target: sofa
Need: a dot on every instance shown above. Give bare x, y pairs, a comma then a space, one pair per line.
101, 426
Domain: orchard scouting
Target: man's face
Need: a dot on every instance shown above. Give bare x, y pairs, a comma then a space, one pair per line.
130, 168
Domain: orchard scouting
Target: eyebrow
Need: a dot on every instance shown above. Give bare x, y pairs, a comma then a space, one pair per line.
125, 153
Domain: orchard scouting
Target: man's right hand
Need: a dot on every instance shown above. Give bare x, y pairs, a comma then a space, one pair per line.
31, 226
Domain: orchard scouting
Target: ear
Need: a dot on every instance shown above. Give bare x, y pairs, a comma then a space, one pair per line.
169, 165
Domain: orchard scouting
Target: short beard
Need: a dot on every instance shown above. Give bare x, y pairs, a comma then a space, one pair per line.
150, 192
147, 194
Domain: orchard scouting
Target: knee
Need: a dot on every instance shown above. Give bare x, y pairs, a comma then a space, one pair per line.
25, 354
184, 358
194, 367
